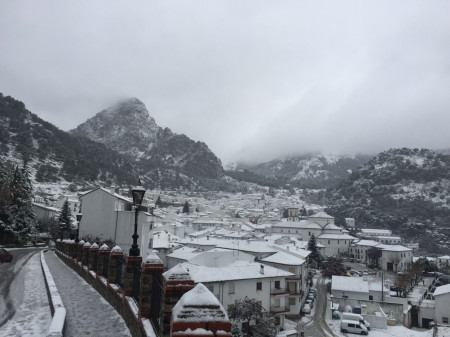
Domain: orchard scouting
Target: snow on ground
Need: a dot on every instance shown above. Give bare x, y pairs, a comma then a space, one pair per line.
87, 312
397, 331
29, 295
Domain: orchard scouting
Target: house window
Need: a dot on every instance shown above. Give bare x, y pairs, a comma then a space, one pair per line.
231, 288
258, 285
291, 300
370, 298
277, 320
445, 320
292, 270
328, 241
277, 284
276, 303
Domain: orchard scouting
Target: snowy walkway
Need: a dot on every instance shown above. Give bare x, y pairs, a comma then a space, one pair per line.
32, 317
88, 313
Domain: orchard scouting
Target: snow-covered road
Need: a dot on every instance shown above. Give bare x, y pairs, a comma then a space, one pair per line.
25, 310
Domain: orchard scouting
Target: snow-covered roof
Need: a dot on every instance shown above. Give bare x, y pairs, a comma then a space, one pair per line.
445, 257
336, 237
346, 283
322, 215
303, 224
394, 248
238, 270
219, 257
445, 289
376, 231
284, 258
184, 253
368, 243
332, 226
199, 305
247, 246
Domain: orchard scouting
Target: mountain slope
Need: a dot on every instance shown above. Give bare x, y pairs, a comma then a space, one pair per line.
128, 128
406, 190
55, 155
307, 171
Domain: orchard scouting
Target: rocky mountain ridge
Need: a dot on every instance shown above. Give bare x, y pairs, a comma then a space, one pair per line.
128, 128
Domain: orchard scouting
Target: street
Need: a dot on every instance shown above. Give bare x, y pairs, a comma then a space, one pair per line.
318, 326
22, 279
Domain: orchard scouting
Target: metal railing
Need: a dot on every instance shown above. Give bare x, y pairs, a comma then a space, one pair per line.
105, 265
137, 272
120, 271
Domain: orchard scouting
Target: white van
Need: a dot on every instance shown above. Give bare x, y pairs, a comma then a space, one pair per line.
348, 325
356, 317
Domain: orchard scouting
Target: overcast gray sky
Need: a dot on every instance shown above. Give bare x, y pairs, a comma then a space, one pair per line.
252, 79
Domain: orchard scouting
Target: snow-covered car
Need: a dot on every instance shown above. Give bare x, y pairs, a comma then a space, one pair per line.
5, 256
306, 310
310, 303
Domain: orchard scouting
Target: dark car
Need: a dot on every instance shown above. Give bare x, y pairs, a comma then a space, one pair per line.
5, 256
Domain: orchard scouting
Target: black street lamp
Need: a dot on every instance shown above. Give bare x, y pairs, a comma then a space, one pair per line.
138, 195
79, 216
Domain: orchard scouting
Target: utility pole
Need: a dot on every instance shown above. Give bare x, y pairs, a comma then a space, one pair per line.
382, 287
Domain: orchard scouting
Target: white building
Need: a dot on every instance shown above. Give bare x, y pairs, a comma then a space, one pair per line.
109, 216
297, 284
230, 276
443, 261
442, 304
335, 244
350, 222
395, 258
358, 249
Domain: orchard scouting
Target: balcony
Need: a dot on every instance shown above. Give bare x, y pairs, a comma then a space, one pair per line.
279, 310
294, 278
279, 291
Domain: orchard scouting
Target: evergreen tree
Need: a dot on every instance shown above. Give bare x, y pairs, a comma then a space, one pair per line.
158, 202
332, 266
312, 247
186, 207
19, 209
64, 221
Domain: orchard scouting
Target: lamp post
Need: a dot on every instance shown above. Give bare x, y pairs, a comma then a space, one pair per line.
79, 216
138, 195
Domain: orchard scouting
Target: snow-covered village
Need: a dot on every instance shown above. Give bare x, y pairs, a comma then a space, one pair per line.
224, 168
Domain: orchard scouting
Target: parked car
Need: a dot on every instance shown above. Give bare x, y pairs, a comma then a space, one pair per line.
347, 267
306, 310
5, 256
356, 317
353, 327
310, 302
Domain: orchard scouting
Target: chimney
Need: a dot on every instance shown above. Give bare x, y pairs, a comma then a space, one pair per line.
261, 270
207, 237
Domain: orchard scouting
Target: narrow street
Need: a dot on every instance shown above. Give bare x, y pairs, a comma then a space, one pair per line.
318, 326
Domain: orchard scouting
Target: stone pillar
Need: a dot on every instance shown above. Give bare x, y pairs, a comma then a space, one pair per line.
116, 252
104, 250
86, 248
177, 281
151, 287
92, 253
73, 248
129, 274
80, 250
